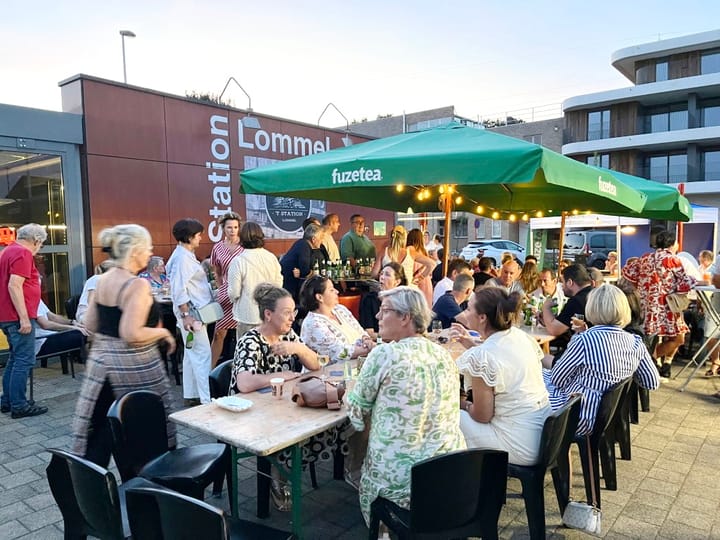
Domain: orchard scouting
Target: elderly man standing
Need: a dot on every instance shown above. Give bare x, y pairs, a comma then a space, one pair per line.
355, 245
19, 300
508, 278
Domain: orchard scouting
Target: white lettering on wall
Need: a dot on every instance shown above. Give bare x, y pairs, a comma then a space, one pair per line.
281, 143
219, 175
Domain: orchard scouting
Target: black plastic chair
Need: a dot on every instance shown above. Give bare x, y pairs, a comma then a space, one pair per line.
558, 432
139, 431
454, 495
71, 305
609, 404
219, 380
177, 517
88, 497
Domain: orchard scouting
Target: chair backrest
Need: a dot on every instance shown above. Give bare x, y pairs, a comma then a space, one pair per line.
71, 305
609, 405
457, 489
558, 431
139, 431
87, 495
180, 517
220, 379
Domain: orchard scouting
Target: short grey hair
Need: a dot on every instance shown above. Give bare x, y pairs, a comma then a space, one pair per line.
311, 231
463, 282
608, 305
122, 240
409, 301
31, 232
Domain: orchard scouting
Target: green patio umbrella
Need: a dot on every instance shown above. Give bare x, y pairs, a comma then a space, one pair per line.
486, 169
663, 201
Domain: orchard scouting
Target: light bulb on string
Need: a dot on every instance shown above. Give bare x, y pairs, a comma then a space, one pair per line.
575, 212
399, 188
458, 199
539, 214
451, 190
426, 193
513, 218
442, 189
525, 217
479, 209
420, 196
496, 215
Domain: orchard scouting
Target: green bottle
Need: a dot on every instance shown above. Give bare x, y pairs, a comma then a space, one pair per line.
189, 340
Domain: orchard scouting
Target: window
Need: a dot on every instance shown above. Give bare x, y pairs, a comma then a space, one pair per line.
496, 228
667, 168
710, 62
480, 230
460, 228
599, 160
661, 70
710, 113
535, 139
598, 125
666, 118
32, 191
711, 166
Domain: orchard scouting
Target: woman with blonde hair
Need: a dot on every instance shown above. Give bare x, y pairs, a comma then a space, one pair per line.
398, 251
124, 355
415, 240
529, 278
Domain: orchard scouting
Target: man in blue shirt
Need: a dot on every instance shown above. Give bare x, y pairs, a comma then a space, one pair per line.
449, 305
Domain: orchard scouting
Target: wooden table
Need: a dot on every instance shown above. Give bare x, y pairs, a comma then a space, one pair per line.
541, 335
270, 425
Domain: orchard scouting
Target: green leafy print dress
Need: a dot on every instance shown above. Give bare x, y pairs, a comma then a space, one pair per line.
409, 391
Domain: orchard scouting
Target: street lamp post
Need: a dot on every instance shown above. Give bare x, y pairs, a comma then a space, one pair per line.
123, 35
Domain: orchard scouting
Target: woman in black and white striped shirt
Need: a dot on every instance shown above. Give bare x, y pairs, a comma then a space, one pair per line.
601, 357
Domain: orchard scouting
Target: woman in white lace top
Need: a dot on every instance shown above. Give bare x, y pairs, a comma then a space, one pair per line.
510, 401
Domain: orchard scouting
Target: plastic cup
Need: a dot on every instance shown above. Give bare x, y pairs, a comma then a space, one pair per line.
276, 384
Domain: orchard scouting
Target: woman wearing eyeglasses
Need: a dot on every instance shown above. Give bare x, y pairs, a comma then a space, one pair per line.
408, 389
272, 349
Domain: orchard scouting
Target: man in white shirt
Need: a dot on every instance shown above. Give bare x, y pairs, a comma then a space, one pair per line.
549, 289
508, 278
455, 268
331, 225
57, 333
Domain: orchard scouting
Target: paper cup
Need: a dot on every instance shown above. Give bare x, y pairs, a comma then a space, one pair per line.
277, 386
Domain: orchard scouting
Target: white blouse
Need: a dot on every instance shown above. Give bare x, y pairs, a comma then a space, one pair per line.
325, 335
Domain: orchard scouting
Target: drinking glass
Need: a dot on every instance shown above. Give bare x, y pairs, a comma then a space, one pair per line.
323, 360
436, 329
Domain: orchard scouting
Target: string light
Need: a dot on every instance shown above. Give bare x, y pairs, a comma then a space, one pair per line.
424, 193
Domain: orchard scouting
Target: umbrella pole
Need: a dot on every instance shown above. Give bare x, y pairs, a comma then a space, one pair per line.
680, 225
562, 236
448, 211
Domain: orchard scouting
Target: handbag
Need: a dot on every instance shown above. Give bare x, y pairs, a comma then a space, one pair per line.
583, 516
209, 313
312, 391
677, 302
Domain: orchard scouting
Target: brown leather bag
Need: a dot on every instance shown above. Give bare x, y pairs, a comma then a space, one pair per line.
311, 391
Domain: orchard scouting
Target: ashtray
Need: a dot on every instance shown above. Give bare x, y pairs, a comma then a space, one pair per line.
233, 403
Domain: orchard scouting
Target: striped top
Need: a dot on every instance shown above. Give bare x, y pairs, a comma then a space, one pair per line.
595, 361
221, 257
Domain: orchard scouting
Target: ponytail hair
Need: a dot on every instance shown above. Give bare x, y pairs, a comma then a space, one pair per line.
398, 240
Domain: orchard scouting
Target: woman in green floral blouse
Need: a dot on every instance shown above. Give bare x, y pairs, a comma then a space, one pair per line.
409, 391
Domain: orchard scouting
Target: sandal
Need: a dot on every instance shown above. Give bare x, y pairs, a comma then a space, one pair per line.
714, 370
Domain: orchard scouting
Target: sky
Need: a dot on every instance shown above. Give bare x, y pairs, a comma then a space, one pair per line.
367, 57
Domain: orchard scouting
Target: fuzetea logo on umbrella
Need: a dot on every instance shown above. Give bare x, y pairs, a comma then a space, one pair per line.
606, 186
357, 175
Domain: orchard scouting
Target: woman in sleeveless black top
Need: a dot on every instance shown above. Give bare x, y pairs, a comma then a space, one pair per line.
124, 355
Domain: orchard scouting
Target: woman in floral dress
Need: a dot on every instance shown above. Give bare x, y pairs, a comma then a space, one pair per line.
221, 256
408, 389
655, 275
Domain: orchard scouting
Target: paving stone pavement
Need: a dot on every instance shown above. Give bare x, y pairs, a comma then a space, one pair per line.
670, 489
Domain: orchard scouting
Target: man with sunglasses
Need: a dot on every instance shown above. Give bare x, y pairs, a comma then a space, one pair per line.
354, 244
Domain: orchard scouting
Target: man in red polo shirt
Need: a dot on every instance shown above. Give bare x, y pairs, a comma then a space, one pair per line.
19, 300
